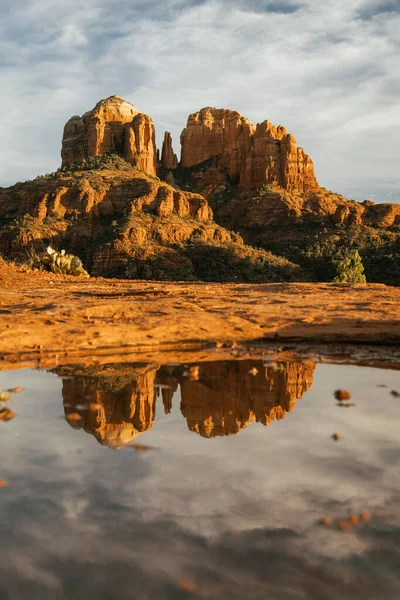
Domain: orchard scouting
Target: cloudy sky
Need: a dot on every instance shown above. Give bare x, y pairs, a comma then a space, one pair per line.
330, 73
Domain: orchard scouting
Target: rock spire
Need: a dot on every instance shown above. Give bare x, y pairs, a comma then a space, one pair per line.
169, 160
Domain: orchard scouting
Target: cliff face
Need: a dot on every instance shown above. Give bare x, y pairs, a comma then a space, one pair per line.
251, 155
112, 125
211, 132
263, 215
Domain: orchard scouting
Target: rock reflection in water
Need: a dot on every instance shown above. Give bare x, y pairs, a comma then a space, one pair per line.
227, 396
125, 399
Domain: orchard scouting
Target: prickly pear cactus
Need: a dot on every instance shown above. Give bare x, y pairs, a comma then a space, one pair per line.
61, 262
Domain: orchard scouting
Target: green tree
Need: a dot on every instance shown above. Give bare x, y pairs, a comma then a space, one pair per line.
349, 269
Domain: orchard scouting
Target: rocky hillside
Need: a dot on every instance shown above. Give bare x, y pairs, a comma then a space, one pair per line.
261, 184
314, 230
123, 222
128, 210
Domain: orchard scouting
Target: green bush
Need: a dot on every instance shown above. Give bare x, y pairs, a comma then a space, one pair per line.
110, 160
349, 269
230, 262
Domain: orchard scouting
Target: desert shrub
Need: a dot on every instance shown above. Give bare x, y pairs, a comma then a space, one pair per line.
160, 263
61, 262
379, 250
110, 160
349, 268
266, 188
209, 261
28, 229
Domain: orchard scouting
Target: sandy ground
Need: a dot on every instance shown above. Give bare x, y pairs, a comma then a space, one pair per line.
48, 318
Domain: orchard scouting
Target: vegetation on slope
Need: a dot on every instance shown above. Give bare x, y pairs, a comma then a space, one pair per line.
108, 161
120, 223
315, 232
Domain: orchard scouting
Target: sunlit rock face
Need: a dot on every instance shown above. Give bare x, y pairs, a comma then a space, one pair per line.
114, 408
251, 155
112, 125
229, 396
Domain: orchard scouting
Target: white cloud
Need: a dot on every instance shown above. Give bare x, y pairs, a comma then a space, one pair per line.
331, 76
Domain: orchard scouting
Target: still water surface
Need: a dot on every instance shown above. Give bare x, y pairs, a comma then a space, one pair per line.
157, 482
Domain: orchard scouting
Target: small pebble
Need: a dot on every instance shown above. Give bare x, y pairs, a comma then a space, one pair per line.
336, 437
6, 414
15, 390
342, 395
365, 515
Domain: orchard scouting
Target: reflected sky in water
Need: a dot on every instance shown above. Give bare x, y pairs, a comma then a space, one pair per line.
227, 502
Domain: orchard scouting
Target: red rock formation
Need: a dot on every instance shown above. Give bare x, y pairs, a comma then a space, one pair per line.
169, 160
113, 124
251, 155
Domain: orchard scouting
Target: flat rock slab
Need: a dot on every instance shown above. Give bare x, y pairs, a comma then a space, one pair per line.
41, 313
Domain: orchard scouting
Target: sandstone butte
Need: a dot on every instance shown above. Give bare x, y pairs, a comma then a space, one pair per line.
252, 155
113, 124
124, 397
223, 156
221, 143
124, 221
